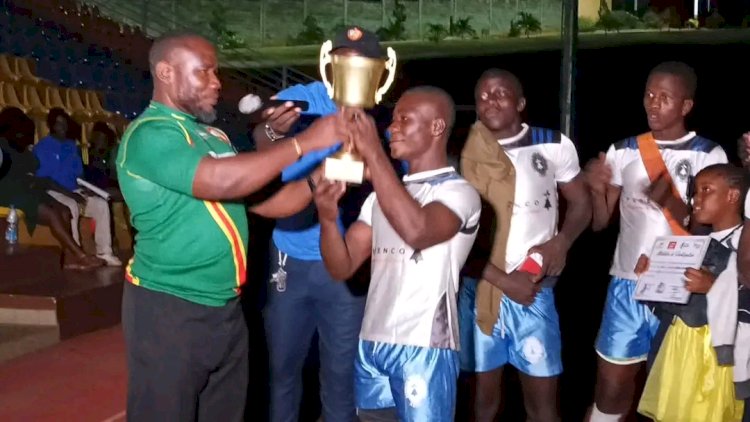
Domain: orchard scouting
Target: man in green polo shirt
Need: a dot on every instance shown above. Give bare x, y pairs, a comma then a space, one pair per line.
185, 335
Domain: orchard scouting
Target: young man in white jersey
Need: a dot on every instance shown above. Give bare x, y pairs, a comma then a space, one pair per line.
644, 174
523, 329
418, 233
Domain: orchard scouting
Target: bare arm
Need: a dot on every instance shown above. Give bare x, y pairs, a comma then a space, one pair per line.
243, 174
578, 214
604, 195
420, 227
289, 200
239, 176
262, 141
603, 207
280, 119
495, 276
344, 255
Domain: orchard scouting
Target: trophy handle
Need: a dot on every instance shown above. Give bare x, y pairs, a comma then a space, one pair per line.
325, 59
390, 66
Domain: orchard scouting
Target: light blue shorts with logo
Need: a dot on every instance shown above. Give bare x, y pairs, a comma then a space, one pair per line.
527, 337
420, 382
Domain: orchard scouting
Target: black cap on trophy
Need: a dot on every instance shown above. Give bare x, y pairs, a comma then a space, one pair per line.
366, 43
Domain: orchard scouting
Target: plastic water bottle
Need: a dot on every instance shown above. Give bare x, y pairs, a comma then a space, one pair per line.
11, 232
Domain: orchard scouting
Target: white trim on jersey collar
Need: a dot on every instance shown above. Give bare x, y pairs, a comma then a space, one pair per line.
690, 135
427, 174
516, 137
722, 233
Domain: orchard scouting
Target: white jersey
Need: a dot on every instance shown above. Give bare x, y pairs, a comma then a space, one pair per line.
541, 158
641, 220
412, 295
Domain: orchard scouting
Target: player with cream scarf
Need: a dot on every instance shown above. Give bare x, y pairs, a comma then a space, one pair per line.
509, 315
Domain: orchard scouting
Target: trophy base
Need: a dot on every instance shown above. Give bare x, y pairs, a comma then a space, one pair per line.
344, 170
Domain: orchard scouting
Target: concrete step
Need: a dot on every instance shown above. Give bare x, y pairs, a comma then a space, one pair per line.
17, 340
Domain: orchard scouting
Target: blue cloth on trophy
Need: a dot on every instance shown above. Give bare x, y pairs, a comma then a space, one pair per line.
320, 104
299, 235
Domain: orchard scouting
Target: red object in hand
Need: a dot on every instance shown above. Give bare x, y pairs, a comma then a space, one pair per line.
532, 264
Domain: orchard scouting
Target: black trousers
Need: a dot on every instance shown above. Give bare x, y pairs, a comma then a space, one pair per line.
186, 362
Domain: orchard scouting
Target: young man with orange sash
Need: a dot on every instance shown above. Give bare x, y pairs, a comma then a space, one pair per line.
649, 176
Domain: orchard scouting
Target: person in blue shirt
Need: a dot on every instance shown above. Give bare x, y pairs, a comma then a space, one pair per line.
303, 298
20, 188
60, 162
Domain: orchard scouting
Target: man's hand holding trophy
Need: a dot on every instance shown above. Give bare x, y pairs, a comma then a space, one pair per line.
357, 65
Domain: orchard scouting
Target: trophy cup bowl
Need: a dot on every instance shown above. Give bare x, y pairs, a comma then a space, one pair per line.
354, 82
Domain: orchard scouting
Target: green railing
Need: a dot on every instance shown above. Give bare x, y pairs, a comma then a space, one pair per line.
156, 17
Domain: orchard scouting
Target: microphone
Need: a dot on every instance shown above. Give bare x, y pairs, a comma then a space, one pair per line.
250, 103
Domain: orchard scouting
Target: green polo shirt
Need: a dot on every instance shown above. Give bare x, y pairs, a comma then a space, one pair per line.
185, 246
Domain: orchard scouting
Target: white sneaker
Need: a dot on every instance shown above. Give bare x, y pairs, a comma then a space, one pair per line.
110, 260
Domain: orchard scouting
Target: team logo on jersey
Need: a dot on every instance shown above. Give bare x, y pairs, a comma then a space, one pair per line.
539, 163
415, 389
683, 169
218, 133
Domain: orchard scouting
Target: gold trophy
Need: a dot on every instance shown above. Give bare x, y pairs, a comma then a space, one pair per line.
355, 84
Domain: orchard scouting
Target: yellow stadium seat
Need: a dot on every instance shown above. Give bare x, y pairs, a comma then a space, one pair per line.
36, 110
33, 103
25, 69
94, 104
12, 96
8, 69
76, 107
52, 98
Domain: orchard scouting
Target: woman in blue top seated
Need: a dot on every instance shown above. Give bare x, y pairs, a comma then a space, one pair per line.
20, 188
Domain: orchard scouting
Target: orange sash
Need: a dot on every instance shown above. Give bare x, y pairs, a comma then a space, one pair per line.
656, 169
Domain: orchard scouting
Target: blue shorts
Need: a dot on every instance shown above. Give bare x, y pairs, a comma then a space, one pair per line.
419, 382
628, 326
526, 337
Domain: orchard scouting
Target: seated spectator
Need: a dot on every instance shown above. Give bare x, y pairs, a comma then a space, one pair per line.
100, 170
60, 162
20, 188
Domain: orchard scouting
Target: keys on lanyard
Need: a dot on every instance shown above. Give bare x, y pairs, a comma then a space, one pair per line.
279, 277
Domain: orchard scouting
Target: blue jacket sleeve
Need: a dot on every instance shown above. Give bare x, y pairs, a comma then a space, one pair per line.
319, 105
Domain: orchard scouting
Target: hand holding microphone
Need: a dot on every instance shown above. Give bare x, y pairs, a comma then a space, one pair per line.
278, 115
